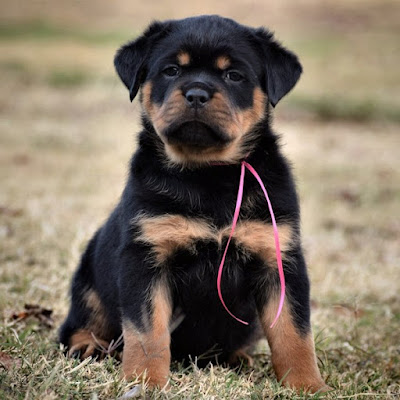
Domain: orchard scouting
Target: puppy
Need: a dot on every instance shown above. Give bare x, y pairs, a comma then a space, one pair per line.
206, 86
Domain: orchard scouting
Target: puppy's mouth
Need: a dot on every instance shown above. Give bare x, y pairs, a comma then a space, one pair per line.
196, 136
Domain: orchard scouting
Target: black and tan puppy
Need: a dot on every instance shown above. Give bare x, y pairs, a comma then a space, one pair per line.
206, 88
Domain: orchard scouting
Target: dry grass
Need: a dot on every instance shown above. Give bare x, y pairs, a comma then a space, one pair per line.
66, 135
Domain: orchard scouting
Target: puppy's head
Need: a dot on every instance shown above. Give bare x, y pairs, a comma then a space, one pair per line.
205, 84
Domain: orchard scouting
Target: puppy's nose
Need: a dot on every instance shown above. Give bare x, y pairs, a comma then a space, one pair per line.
197, 97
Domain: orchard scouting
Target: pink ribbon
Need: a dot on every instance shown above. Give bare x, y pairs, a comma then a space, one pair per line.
239, 199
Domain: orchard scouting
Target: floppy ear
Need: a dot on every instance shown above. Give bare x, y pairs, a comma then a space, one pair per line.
282, 67
130, 60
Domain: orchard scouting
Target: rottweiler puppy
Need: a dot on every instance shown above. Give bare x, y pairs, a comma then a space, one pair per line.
207, 85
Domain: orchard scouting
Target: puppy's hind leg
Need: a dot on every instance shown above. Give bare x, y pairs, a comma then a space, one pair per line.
86, 331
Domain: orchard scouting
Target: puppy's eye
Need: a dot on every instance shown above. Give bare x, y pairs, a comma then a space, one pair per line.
171, 71
234, 76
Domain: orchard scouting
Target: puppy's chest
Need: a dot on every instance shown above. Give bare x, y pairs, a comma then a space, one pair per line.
170, 233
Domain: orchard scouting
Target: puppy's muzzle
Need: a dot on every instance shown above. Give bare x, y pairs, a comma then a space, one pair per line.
195, 130
196, 135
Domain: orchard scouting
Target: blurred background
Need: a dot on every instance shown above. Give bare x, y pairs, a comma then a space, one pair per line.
67, 130
349, 48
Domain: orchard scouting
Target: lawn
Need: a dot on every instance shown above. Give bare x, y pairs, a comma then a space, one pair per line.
67, 131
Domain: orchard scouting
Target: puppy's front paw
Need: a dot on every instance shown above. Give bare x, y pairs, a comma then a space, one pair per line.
84, 344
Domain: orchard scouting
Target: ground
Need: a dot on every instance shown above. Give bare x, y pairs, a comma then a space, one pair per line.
67, 131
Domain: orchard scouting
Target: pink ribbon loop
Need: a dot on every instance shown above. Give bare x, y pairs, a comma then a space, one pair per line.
239, 199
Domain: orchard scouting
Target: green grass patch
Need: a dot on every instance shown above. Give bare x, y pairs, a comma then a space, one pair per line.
323, 45
17, 70
43, 30
56, 77
12, 65
335, 108
68, 78
355, 367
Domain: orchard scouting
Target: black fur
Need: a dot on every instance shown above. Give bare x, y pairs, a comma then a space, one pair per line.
121, 271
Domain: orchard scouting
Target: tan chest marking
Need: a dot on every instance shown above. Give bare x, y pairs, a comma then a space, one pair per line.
168, 233
258, 238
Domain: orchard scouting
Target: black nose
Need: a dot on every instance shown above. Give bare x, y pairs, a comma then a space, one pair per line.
197, 97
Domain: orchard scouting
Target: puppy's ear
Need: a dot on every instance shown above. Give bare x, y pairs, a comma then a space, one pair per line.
130, 60
282, 67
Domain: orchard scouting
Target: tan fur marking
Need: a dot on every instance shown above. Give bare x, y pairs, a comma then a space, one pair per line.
98, 322
92, 337
85, 342
237, 124
223, 62
183, 58
293, 355
93, 300
241, 355
178, 155
221, 113
258, 237
148, 354
162, 116
251, 116
169, 232
146, 100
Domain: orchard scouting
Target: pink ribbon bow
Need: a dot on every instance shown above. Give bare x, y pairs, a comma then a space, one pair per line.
239, 199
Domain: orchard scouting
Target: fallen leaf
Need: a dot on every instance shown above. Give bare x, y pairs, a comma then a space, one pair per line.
11, 212
348, 196
346, 309
21, 159
36, 311
7, 362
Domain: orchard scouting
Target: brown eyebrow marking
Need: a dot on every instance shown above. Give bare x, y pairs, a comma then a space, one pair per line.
183, 58
223, 62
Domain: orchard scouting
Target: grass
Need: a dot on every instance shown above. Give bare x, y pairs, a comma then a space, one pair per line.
68, 78
358, 361
40, 30
66, 135
345, 109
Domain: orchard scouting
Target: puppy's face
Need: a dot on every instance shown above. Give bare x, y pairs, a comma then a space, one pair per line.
202, 101
204, 85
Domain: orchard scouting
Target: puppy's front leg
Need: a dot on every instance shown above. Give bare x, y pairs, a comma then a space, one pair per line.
145, 323
290, 339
